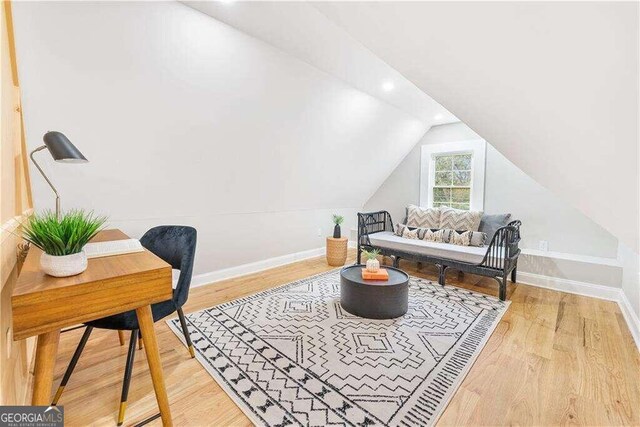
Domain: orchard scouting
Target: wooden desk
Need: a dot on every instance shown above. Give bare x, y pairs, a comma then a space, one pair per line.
42, 305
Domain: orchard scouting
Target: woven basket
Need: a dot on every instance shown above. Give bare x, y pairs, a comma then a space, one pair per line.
336, 251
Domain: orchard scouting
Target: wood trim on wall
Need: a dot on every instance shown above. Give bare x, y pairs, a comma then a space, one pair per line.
15, 207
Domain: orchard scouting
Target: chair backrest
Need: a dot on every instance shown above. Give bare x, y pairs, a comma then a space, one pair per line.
176, 245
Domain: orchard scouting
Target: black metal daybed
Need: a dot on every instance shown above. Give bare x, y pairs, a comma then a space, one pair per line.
500, 258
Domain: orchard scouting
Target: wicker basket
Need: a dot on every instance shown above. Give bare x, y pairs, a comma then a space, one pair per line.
336, 251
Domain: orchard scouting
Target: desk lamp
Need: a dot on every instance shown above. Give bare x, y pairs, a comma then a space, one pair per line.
62, 150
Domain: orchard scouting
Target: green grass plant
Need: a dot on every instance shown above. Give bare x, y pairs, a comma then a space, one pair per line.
64, 236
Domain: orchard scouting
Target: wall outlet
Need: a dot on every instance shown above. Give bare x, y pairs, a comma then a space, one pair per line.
319, 232
543, 245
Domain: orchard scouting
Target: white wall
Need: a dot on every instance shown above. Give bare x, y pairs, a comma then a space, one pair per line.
187, 120
552, 85
544, 215
631, 279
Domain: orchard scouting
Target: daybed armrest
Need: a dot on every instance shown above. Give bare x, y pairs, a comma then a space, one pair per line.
372, 222
503, 250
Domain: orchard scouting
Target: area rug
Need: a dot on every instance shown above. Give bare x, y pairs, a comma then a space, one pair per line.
292, 356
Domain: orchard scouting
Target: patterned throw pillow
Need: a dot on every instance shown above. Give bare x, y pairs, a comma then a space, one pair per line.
438, 236
462, 239
410, 234
399, 229
478, 238
459, 220
423, 217
468, 238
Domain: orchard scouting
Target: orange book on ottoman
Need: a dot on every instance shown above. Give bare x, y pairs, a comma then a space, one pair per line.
381, 274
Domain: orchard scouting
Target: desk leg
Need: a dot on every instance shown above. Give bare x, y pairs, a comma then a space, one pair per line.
145, 320
46, 350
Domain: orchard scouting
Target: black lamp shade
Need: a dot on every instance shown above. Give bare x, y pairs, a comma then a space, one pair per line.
61, 149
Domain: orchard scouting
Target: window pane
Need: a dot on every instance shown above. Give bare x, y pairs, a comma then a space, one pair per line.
443, 178
443, 163
438, 204
441, 194
461, 178
462, 162
460, 195
464, 206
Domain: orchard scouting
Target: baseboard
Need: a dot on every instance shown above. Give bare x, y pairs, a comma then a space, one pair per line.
612, 262
253, 267
589, 290
570, 286
631, 317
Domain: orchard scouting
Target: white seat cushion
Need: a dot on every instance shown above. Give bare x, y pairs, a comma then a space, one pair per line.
470, 254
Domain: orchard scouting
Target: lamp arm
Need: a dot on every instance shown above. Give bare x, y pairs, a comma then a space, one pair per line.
46, 179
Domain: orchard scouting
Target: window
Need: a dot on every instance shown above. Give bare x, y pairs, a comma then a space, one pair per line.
452, 174
452, 180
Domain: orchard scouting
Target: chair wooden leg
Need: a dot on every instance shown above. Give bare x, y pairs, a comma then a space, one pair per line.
185, 331
140, 343
127, 376
72, 364
121, 337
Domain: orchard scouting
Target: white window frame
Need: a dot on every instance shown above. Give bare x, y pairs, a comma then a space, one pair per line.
476, 147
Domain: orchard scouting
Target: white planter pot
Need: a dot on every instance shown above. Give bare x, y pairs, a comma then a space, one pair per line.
373, 265
65, 265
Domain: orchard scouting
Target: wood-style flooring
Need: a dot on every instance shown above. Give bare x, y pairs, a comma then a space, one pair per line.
554, 359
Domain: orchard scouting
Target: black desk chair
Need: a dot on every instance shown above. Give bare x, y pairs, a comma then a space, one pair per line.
176, 245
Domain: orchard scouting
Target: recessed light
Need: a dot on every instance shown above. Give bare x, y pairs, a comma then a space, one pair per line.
438, 117
388, 86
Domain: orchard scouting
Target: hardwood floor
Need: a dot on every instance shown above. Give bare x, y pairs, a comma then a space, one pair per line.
554, 359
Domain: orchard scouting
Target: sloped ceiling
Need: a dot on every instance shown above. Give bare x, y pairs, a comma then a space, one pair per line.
303, 32
553, 86
185, 100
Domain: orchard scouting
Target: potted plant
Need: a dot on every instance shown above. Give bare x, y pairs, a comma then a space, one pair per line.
62, 240
373, 265
337, 220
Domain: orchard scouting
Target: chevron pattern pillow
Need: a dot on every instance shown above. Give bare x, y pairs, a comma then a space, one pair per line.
399, 229
463, 239
423, 217
437, 236
468, 238
411, 234
459, 220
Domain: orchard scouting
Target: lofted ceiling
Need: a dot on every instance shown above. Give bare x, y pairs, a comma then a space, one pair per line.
552, 85
300, 30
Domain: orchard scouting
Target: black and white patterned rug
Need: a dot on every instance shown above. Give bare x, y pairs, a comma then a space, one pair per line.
292, 356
